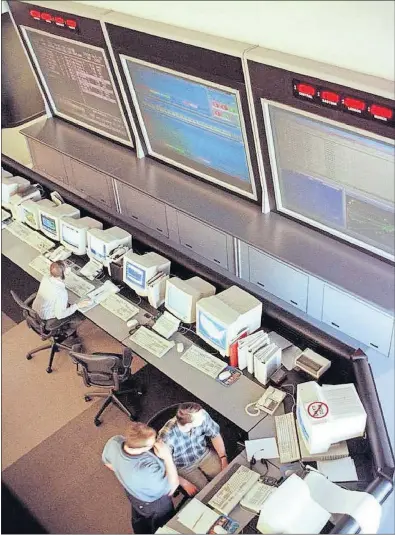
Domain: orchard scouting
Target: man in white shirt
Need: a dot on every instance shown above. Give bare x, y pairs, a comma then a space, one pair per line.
51, 302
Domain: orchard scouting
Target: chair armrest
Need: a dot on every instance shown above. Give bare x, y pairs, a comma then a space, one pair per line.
30, 299
127, 357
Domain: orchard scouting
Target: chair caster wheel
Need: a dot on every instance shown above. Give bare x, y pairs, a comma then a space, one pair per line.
97, 423
87, 398
49, 370
29, 357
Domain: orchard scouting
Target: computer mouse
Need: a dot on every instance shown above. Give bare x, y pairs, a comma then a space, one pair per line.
132, 323
220, 530
180, 347
224, 375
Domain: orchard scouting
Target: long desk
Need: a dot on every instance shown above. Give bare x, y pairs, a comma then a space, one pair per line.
229, 402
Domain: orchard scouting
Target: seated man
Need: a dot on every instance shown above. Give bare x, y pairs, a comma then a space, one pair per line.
51, 302
185, 434
149, 478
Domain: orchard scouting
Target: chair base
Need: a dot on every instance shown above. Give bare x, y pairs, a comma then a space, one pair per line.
111, 398
55, 348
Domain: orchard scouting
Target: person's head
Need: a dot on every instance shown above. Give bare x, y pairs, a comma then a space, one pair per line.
189, 415
139, 437
58, 269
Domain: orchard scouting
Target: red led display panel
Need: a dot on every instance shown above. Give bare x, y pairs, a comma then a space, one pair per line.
44, 16
329, 97
354, 104
381, 112
47, 17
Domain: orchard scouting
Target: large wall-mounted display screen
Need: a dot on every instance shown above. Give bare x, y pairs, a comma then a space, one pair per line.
192, 123
334, 177
79, 83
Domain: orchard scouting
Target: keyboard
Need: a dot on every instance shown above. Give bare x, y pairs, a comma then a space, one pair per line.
40, 264
233, 491
256, 497
287, 439
119, 307
40, 243
31, 237
20, 231
77, 285
203, 361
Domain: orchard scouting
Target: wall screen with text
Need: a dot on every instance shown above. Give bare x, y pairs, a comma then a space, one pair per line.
337, 179
192, 124
79, 83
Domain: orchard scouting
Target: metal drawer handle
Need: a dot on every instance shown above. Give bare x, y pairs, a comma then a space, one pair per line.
374, 345
160, 230
260, 284
134, 216
294, 302
187, 245
215, 260
335, 324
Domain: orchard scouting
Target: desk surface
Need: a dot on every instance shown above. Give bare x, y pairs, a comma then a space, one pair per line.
229, 402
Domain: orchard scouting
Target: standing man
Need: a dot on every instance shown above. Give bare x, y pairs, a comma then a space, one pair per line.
149, 478
186, 434
51, 302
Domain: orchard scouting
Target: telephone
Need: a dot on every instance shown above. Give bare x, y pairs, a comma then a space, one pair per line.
60, 253
91, 270
268, 402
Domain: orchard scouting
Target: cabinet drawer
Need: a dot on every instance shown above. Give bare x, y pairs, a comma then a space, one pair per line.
48, 160
93, 185
357, 319
143, 208
203, 239
278, 279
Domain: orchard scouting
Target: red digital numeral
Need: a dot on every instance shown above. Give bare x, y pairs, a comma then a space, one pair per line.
71, 24
381, 111
35, 14
330, 96
354, 103
306, 89
47, 17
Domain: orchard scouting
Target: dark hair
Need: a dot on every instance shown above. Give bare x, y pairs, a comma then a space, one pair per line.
186, 411
138, 435
57, 269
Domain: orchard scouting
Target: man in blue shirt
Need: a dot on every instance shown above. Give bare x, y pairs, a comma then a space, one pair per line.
186, 435
149, 478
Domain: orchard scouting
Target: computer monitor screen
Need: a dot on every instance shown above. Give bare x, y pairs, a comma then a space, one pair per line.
336, 179
97, 248
30, 217
135, 275
192, 123
79, 84
72, 236
210, 329
49, 224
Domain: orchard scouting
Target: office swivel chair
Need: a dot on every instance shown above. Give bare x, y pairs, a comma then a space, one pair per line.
54, 337
107, 370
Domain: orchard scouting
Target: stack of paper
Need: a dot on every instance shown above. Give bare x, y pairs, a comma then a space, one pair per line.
197, 517
338, 470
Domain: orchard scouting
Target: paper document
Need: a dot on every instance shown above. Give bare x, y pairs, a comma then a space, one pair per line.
167, 531
263, 448
363, 507
203, 361
197, 517
77, 285
41, 265
102, 292
119, 307
166, 325
291, 509
339, 469
152, 342
289, 355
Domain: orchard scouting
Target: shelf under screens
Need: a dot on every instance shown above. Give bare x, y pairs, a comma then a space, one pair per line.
333, 177
191, 123
79, 83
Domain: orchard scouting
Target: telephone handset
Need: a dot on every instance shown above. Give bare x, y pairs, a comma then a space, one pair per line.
268, 402
60, 253
91, 270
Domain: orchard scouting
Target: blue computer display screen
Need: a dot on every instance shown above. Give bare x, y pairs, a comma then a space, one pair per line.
211, 330
192, 124
135, 275
48, 224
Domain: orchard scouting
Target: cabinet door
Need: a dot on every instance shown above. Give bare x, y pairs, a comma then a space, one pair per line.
143, 208
93, 185
279, 279
49, 161
203, 239
357, 319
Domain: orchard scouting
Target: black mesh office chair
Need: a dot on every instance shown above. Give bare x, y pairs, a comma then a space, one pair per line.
108, 370
54, 337
157, 421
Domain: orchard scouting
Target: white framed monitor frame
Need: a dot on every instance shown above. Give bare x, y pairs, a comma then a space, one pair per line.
206, 176
347, 189
25, 30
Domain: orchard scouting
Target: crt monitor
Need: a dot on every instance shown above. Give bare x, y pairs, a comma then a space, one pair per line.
192, 123
73, 233
222, 318
182, 296
101, 243
30, 211
50, 217
140, 270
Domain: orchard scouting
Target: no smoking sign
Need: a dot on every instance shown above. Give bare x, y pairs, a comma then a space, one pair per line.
317, 409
